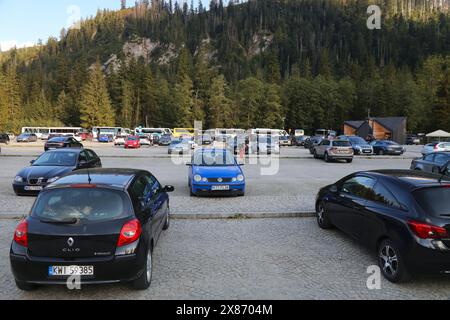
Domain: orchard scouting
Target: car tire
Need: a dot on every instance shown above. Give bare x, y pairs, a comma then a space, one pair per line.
315, 155
322, 220
326, 157
25, 286
380, 152
167, 222
349, 160
145, 279
391, 263
191, 193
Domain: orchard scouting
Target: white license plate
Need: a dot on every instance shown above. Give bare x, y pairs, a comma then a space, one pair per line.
33, 188
220, 188
70, 271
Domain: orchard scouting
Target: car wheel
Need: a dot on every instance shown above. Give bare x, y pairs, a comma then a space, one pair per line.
191, 193
381, 152
326, 157
25, 286
145, 279
315, 155
391, 262
349, 160
167, 222
322, 220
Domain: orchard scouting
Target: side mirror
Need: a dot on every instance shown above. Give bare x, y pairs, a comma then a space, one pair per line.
32, 162
82, 164
334, 189
169, 189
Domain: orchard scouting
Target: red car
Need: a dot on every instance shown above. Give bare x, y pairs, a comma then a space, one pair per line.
132, 142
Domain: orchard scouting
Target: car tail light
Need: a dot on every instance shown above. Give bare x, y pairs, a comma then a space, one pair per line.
426, 231
130, 233
21, 234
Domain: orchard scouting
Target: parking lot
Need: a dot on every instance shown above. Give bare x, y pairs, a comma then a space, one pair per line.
284, 258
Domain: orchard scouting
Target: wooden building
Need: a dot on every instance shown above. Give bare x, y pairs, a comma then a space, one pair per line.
390, 128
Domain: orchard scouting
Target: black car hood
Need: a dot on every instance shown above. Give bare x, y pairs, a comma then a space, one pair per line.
44, 172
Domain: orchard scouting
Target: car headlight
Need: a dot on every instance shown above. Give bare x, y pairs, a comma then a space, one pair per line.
52, 179
240, 178
18, 179
197, 178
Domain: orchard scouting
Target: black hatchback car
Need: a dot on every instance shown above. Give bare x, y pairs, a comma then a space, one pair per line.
62, 142
51, 166
99, 225
403, 215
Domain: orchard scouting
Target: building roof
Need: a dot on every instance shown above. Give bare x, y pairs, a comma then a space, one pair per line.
354, 124
391, 123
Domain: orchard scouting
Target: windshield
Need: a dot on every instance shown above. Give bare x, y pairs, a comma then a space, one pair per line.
58, 159
84, 204
214, 158
357, 140
132, 138
435, 201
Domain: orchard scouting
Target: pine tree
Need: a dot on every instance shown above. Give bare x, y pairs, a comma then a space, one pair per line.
219, 114
126, 110
95, 104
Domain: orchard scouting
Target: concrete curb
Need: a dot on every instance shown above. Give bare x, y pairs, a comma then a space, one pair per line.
212, 216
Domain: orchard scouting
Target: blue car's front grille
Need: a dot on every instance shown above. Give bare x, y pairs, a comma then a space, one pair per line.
216, 180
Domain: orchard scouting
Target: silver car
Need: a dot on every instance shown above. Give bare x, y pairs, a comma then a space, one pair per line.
330, 150
436, 147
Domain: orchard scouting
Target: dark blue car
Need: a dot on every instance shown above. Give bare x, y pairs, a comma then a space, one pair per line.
215, 172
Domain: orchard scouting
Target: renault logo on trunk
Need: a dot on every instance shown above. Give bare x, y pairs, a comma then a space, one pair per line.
70, 242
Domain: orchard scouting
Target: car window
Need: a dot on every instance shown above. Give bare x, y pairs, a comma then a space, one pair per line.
91, 154
88, 204
359, 186
152, 187
441, 158
429, 157
434, 201
341, 144
83, 157
382, 195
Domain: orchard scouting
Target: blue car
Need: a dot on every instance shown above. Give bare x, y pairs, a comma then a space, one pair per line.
105, 138
215, 172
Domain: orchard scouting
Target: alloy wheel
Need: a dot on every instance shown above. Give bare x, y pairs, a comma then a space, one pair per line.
389, 261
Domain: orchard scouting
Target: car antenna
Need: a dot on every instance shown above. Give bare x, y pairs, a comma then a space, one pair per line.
89, 176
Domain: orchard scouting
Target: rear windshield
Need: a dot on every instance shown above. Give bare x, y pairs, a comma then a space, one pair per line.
341, 144
84, 204
434, 201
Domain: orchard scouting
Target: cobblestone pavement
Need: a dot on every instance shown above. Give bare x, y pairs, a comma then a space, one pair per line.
291, 190
245, 259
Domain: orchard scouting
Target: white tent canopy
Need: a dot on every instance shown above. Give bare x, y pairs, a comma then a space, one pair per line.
438, 134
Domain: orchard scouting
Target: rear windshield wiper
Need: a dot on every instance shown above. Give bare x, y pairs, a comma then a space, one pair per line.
68, 221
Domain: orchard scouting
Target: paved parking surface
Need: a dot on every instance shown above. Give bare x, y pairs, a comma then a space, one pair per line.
244, 259
291, 190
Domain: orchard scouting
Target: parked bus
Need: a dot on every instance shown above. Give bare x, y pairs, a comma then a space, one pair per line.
184, 132
44, 132
108, 131
224, 132
152, 131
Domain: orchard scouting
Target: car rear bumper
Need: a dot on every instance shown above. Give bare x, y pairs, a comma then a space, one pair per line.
106, 270
421, 259
335, 156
